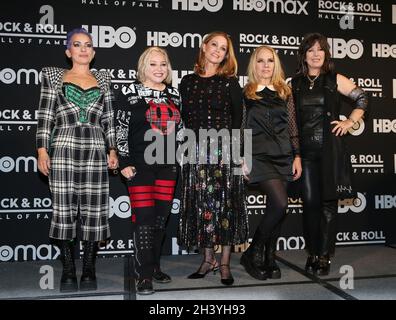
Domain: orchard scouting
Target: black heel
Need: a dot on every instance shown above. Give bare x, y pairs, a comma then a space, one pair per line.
197, 275
230, 280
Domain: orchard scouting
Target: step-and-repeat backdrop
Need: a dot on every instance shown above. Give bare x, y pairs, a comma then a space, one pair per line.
32, 35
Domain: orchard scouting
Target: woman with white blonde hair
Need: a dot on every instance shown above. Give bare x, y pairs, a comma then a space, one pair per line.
150, 103
275, 154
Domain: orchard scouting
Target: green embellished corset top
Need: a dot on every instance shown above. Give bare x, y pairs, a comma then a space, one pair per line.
80, 98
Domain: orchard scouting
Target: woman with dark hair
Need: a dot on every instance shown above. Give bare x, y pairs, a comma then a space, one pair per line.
76, 146
213, 210
275, 155
326, 167
150, 104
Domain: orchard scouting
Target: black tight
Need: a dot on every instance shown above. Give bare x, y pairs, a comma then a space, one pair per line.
276, 192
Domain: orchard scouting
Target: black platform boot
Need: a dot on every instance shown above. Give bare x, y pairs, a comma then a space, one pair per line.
272, 269
69, 279
88, 277
143, 237
323, 268
253, 258
158, 275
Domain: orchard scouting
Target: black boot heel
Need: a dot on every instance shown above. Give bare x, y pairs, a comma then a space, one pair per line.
272, 269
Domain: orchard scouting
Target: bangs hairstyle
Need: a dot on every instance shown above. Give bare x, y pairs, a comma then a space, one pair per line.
228, 67
71, 33
144, 61
309, 41
277, 80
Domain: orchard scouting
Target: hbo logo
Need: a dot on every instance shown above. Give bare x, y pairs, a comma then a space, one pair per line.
384, 50
358, 205
385, 202
357, 128
175, 206
340, 48
120, 207
197, 5
384, 125
107, 37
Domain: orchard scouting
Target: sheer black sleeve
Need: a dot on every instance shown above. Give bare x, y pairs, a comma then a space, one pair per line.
293, 129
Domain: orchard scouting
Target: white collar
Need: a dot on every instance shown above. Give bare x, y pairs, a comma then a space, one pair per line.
261, 87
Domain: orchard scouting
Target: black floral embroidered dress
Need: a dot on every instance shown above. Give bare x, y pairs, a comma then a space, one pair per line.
213, 209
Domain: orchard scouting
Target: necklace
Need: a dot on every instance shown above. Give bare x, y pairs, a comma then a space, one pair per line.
312, 81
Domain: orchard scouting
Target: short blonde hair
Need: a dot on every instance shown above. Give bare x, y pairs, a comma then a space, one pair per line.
144, 62
277, 80
228, 67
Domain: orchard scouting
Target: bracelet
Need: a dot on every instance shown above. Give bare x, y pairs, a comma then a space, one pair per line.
353, 121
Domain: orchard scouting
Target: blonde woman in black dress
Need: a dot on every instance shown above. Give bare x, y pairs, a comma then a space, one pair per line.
275, 156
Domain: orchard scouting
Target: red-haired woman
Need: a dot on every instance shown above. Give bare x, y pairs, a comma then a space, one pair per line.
213, 209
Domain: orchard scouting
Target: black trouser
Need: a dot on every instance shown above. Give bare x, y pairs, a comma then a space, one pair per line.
151, 192
319, 216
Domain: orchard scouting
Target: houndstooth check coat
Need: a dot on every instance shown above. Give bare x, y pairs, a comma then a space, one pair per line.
78, 177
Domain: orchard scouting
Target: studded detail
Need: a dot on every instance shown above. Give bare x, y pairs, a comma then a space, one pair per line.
160, 223
145, 237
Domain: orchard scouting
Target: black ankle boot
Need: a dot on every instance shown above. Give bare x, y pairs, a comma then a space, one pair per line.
253, 258
323, 268
88, 277
312, 264
69, 279
144, 287
272, 269
161, 277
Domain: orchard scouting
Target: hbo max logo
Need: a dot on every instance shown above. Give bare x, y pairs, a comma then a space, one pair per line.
174, 39
197, 5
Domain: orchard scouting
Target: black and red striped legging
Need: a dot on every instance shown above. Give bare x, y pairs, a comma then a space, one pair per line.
151, 193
